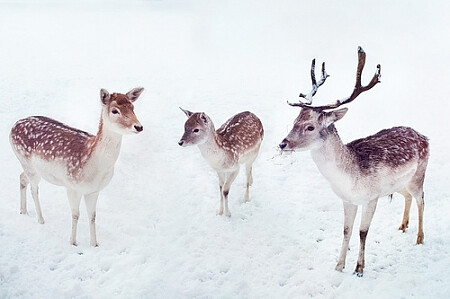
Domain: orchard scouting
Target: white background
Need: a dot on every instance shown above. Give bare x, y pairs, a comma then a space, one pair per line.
157, 228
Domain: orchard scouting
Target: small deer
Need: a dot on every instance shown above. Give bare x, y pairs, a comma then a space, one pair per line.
392, 160
236, 142
72, 158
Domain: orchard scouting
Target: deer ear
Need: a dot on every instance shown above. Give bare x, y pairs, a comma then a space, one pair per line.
104, 96
333, 116
204, 118
187, 112
134, 94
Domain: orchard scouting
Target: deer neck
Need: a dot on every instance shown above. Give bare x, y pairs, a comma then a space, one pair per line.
105, 146
332, 158
212, 149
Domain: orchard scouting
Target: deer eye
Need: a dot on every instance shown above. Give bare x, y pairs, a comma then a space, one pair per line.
310, 128
115, 111
196, 130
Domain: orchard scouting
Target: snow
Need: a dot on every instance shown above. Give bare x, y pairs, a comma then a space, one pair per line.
156, 221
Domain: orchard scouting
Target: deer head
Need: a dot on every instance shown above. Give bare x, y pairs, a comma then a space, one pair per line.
197, 128
314, 123
310, 129
118, 111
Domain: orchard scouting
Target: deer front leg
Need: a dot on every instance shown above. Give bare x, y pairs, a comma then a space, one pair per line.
349, 218
91, 204
226, 189
367, 213
74, 202
221, 176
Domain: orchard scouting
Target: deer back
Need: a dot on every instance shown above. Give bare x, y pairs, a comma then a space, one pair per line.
391, 148
241, 133
48, 139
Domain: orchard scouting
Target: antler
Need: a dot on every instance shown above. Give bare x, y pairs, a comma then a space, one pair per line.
315, 85
358, 89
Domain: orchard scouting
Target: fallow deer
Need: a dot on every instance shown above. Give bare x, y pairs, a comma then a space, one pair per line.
392, 160
236, 142
68, 157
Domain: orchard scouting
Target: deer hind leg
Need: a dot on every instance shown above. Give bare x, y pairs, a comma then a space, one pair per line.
91, 204
34, 184
408, 200
367, 213
74, 202
24, 181
415, 187
419, 196
349, 218
248, 172
420, 207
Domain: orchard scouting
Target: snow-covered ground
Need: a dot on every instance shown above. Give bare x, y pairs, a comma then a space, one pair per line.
157, 226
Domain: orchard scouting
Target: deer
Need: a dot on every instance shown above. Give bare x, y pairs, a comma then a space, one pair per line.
64, 156
235, 143
391, 161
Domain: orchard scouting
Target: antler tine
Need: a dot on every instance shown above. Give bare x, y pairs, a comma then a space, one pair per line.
358, 89
315, 86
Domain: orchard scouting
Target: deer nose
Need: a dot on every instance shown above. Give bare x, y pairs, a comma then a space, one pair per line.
139, 128
283, 144
180, 143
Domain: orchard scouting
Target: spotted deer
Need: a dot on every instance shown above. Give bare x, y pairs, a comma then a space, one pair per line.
68, 157
236, 142
392, 160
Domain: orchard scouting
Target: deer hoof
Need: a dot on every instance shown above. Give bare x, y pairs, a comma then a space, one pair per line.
359, 269
403, 227
420, 238
339, 267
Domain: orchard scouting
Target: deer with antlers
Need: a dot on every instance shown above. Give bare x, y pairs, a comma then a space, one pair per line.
236, 142
79, 161
360, 172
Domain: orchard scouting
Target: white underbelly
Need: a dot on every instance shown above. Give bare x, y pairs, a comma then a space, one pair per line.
89, 180
360, 190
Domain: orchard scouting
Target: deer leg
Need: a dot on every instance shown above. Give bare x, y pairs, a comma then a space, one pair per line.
226, 189
408, 200
368, 210
248, 172
74, 202
415, 187
221, 176
35, 194
420, 207
349, 218
91, 204
23, 193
